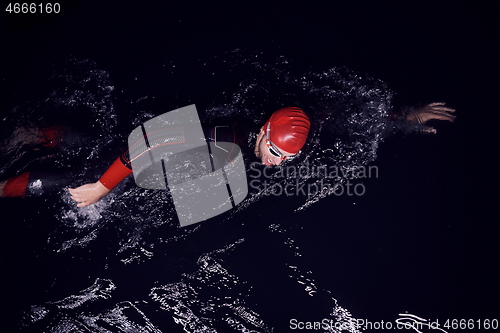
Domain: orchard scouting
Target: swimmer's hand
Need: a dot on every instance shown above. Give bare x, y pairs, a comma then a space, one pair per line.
422, 115
88, 194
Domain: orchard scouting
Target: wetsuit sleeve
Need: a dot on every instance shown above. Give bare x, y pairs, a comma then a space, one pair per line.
236, 131
118, 171
16, 186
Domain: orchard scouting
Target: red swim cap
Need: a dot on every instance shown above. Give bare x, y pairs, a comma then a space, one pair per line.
289, 129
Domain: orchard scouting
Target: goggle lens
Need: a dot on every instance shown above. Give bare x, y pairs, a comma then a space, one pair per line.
273, 151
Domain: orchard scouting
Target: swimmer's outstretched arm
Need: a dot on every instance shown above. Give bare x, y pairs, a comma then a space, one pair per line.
89, 193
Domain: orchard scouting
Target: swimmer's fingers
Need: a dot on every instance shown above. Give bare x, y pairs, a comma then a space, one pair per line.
431, 111
428, 129
441, 106
443, 116
88, 194
440, 112
78, 197
80, 202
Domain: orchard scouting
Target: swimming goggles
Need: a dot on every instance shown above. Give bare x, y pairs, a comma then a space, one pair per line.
272, 148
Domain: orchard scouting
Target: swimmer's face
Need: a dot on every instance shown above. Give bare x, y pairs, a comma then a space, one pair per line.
262, 152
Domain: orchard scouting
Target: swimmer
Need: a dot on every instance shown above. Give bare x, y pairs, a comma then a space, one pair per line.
280, 138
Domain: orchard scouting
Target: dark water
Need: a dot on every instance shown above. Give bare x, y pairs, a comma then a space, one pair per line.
418, 240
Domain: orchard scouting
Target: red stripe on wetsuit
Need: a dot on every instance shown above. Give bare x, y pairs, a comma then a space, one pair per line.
118, 171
